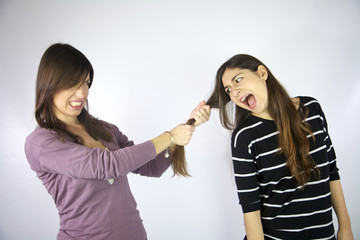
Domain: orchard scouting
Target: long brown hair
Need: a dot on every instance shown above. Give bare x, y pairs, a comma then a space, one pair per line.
293, 130
61, 67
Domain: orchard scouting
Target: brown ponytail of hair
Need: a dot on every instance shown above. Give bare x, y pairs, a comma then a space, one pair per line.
293, 130
61, 67
178, 160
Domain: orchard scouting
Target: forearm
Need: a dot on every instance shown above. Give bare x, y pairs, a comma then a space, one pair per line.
253, 225
156, 167
338, 202
162, 142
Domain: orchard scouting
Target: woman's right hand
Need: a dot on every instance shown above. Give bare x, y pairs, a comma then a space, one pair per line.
182, 134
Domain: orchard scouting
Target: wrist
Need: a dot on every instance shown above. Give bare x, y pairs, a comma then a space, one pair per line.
171, 137
171, 143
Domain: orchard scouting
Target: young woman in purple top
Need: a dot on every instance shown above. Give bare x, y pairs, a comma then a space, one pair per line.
83, 162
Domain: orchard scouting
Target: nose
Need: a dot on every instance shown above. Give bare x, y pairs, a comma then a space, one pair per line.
235, 92
82, 91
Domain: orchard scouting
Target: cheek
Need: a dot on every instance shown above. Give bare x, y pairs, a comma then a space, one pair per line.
233, 99
60, 100
84, 91
55, 100
58, 103
265, 98
265, 92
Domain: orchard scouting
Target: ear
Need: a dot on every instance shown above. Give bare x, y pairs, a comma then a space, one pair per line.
262, 72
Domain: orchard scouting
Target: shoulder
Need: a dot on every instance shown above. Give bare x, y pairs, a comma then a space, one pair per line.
110, 126
315, 114
120, 137
308, 101
246, 131
312, 104
38, 140
41, 136
114, 130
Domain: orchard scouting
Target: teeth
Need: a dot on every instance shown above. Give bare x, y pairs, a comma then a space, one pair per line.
75, 104
243, 99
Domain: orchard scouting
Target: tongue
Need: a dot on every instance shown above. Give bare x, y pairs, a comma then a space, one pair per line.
251, 101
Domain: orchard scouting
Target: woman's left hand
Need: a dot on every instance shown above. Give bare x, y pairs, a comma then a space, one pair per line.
345, 235
201, 113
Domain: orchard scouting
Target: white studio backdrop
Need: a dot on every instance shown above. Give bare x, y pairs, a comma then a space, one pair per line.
154, 62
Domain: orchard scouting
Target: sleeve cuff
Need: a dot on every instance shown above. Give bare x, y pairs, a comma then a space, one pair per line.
251, 207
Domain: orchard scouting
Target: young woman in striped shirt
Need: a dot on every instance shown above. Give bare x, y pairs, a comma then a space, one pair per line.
284, 162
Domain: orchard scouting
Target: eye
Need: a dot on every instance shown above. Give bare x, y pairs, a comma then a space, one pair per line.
238, 79
87, 83
228, 90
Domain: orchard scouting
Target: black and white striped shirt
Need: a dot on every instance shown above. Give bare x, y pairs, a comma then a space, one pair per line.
265, 183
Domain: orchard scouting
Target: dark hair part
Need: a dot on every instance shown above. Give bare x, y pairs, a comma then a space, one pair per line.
61, 67
293, 131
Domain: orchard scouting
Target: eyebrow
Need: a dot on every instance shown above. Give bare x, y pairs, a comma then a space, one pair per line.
232, 79
236, 76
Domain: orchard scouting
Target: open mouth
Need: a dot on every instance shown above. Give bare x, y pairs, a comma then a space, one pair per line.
249, 100
76, 104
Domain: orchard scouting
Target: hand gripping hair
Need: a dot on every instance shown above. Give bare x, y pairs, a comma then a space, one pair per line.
178, 162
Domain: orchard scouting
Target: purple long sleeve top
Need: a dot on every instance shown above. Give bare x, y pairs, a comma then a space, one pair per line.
78, 178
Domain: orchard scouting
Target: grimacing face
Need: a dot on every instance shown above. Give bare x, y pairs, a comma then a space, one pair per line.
247, 89
68, 103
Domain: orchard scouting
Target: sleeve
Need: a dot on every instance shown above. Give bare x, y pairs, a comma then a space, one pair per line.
245, 172
154, 168
46, 152
333, 169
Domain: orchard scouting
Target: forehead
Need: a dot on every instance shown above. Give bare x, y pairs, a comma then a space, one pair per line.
87, 77
230, 73
74, 83
81, 79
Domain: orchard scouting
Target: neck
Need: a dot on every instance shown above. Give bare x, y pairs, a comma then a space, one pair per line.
74, 122
263, 116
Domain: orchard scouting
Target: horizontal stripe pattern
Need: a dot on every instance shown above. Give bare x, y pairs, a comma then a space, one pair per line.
265, 183
298, 215
246, 128
310, 227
